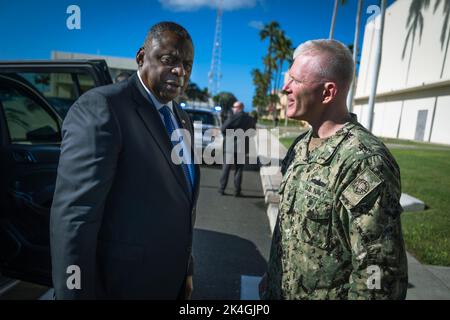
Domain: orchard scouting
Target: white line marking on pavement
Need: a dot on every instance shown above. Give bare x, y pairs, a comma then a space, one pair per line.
249, 287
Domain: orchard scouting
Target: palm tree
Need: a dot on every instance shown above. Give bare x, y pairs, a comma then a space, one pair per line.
351, 92
270, 31
333, 19
261, 82
279, 51
377, 64
194, 93
225, 100
270, 65
283, 53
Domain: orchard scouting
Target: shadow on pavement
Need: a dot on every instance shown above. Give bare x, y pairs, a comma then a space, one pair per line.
243, 195
247, 167
220, 260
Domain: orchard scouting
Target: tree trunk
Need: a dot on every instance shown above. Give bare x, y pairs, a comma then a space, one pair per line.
376, 66
333, 19
351, 93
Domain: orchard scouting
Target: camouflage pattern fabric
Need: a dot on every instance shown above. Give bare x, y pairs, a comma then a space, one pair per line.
338, 221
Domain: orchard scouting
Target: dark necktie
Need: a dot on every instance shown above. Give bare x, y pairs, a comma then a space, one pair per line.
170, 127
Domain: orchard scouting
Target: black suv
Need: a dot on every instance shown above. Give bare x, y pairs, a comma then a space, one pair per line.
34, 99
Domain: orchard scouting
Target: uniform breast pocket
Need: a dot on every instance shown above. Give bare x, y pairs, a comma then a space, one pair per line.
287, 202
316, 217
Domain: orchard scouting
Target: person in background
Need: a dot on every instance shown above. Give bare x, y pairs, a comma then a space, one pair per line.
233, 150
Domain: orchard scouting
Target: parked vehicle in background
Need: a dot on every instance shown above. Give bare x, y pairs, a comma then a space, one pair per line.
207, 122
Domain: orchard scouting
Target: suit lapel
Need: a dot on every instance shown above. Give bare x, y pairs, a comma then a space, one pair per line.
150, 116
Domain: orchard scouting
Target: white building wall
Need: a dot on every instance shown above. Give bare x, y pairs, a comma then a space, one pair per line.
390, 119
421, 65
425, 60
409, 117
378, 116
112, 62
368, 49
393, 68
447, 65
359, 109
440, 133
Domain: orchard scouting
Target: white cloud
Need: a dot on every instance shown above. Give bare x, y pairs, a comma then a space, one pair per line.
259, 25
192, 5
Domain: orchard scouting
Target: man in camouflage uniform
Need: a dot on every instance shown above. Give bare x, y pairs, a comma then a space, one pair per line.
338, 233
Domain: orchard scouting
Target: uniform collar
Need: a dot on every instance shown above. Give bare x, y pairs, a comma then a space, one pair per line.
325, 152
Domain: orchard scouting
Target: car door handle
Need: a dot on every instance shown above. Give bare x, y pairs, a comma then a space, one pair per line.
23, 157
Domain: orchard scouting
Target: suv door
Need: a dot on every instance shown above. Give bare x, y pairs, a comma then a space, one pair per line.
33, 102
61, 82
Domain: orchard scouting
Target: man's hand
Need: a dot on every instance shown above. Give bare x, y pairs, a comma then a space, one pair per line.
263, 285
189, 287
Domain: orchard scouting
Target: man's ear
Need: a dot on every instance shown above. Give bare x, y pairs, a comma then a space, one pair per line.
140, 56
329, 92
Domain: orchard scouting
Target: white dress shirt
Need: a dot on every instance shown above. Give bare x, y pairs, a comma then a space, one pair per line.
177, 133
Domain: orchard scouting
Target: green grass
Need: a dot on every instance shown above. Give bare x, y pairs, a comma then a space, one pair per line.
425, 175
287, 142
425, 145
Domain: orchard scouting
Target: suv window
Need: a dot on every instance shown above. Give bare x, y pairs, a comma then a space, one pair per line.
61, 89
27, 121
204, 117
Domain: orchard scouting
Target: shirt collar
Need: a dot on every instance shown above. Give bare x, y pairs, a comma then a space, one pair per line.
155, 101
326, 150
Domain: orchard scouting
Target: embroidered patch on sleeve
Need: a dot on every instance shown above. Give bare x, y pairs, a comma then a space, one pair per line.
359, 188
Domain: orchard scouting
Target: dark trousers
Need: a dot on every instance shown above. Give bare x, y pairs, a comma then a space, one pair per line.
238, 168
182, 293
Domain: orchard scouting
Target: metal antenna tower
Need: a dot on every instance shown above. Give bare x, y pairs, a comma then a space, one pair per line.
214, 73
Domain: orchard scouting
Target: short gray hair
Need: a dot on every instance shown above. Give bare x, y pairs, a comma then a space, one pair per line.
158, 29
337, 63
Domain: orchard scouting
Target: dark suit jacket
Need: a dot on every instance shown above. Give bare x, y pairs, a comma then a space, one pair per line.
240, 120
122, 210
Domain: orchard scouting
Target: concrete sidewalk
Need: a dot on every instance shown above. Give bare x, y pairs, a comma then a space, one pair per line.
425, 282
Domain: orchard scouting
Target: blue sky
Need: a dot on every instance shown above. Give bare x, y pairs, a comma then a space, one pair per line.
32, 29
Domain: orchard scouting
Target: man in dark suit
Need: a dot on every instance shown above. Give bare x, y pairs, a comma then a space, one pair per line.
123, 210
236, 146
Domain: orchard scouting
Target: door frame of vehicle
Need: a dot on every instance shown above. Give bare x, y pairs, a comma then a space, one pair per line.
50, 152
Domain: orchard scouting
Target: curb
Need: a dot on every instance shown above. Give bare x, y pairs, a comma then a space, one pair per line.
271, 177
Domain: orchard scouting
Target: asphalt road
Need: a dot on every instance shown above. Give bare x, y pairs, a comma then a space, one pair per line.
232, 235
231, 240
